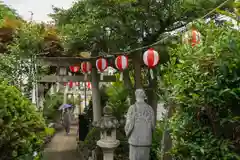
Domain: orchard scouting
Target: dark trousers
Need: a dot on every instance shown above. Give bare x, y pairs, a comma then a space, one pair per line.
67, 128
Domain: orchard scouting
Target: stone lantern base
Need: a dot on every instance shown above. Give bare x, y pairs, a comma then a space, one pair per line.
108, 148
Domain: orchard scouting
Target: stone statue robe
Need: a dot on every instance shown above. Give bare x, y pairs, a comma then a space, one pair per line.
139, 127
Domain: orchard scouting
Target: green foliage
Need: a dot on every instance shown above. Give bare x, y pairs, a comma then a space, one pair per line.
118, 95
234, 14
51, 106
92, 137
22, 129
124, 24
49, 131
156, 141
27, 40
7, 12
204, 84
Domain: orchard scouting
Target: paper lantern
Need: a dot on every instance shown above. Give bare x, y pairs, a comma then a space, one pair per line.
89, 85
74, 68
121, 62
86, 67
70, 84
151, 59
192, 37
101, 65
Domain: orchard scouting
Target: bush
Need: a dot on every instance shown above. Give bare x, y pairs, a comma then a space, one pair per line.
204, 85
51, 106
156, 141
49, 134
118, 95
22, 128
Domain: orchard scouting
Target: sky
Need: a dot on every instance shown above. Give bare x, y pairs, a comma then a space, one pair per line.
40, 8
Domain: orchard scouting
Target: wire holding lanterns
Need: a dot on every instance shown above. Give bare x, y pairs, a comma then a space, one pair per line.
151, 59
121, 62
86, 68
101, 65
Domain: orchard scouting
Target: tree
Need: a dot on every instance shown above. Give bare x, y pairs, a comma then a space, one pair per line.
6, 11
22, 130
112, 26
204, 87
110, 23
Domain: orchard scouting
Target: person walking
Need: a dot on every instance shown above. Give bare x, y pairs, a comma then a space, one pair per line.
67, 121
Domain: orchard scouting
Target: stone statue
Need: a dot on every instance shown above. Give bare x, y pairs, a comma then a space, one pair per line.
139, 127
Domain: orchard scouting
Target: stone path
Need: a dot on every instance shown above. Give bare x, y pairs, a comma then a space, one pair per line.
62, 147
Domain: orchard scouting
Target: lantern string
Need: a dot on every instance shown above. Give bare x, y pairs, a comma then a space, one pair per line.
106, 55
165, 38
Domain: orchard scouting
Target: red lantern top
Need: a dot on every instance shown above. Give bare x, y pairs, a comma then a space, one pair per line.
101, 64
86, 67
74, 68
192, 37
89, 85
70, 84
151, 58
121, 62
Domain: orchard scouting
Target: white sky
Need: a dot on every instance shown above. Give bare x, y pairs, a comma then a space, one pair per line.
40, 8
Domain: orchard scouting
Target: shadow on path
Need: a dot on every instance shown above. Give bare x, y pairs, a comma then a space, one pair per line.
63, 147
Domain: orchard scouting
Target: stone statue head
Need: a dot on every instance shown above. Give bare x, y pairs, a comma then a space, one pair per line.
140, 95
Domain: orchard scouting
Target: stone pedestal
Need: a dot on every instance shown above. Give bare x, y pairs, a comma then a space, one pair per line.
108, 148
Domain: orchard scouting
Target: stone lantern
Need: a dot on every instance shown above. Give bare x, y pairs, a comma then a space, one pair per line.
108, 125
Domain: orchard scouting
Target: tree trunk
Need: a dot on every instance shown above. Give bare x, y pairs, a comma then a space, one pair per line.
126, 79
137, 70
152, 95
96, 99
166, 140
128, 84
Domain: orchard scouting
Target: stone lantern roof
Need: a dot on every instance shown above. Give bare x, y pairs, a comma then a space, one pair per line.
108, 121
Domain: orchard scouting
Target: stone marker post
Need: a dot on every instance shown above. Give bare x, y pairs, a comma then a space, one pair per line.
108, 125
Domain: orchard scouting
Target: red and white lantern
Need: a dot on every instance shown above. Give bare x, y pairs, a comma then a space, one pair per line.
151, 59
70, 84
86, 68
192, 37
121, 62
74, 69
89, 85
101, 65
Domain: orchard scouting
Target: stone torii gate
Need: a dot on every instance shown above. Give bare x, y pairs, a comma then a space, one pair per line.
93, 78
